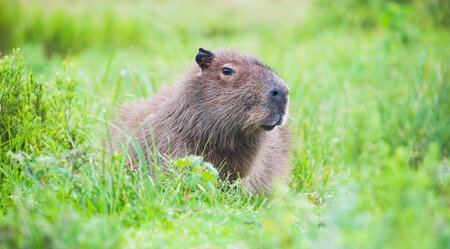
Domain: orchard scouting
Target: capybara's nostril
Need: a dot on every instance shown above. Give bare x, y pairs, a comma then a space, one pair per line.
273, 93
277, 95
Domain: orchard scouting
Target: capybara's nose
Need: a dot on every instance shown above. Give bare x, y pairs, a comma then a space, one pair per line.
278, 95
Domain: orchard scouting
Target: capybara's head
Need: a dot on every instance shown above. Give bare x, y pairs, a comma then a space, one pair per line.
239, 91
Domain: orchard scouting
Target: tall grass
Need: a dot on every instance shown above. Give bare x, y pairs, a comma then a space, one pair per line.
60, 32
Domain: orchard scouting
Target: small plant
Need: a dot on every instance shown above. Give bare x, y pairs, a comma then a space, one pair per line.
41, 127
194, 174
36, 116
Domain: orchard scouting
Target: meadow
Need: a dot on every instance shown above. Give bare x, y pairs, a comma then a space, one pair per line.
369, 116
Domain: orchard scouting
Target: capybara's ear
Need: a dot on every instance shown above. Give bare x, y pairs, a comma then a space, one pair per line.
204, 58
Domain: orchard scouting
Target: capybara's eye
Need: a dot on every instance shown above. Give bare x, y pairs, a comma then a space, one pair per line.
227, 71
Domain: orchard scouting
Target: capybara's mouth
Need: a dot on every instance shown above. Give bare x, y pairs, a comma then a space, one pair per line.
268, 127
275, 120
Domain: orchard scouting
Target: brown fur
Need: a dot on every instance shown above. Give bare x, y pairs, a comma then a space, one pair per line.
219, 117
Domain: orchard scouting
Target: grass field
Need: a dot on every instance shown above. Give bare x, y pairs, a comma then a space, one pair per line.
369, 115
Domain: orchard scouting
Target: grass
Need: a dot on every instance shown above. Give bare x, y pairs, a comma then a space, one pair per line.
370, 118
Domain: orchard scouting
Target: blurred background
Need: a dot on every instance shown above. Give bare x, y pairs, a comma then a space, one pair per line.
370, 115
68, 27
153, 41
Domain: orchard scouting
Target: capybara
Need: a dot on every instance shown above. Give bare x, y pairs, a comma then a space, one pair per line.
229, 108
